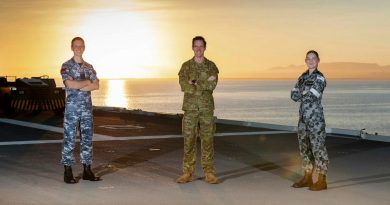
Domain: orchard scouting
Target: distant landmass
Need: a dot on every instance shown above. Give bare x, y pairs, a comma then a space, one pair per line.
336, 70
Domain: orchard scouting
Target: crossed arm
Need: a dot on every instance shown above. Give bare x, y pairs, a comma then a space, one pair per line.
313, 93
208, 84
83, 85
190, 87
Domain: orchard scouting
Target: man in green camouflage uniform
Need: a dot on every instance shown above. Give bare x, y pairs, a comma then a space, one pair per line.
198, 77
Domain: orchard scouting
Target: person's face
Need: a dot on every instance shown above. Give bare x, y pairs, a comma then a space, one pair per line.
198, 48
78, 48
312, 61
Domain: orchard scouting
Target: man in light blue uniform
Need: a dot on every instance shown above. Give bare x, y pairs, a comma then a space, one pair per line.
80, 79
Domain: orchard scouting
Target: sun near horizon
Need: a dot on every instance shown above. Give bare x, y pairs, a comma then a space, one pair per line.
151, 39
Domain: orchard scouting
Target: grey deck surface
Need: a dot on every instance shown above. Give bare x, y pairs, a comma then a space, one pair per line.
254, 169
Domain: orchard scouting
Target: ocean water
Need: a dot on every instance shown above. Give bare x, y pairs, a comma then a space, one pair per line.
347, 104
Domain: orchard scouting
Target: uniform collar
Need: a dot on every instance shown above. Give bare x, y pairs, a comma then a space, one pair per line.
204, 61
314, 72
74, 62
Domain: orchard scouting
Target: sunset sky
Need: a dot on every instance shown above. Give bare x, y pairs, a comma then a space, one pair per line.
151, 38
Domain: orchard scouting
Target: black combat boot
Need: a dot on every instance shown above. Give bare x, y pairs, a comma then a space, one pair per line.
320, 184
88, 174
306, 181
68, 175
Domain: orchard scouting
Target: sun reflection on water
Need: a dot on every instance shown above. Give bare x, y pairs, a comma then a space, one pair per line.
116, 94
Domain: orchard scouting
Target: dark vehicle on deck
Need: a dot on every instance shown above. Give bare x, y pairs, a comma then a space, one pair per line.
30, 95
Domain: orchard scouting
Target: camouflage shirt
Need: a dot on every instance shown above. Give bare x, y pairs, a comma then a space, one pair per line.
199, 96
309, 88
84, 71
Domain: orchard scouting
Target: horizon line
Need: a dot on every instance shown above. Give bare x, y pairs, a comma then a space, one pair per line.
220, 78
238, 78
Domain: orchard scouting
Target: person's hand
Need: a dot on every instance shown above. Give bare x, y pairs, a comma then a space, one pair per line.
211, 78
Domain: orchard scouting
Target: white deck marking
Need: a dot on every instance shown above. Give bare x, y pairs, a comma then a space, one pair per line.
122, 127
31, 142
32, 125
100, 137
251, 133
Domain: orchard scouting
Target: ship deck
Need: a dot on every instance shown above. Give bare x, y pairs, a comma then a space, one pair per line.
139, 157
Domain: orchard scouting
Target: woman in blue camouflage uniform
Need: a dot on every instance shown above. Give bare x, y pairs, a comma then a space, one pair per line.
311, 127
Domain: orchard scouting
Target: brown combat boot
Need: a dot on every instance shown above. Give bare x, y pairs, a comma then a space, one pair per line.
320, 184
185, 178
306, 181
211, 178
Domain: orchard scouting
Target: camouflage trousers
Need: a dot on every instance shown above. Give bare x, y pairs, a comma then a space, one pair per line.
76, 116
311, 138
198, 123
